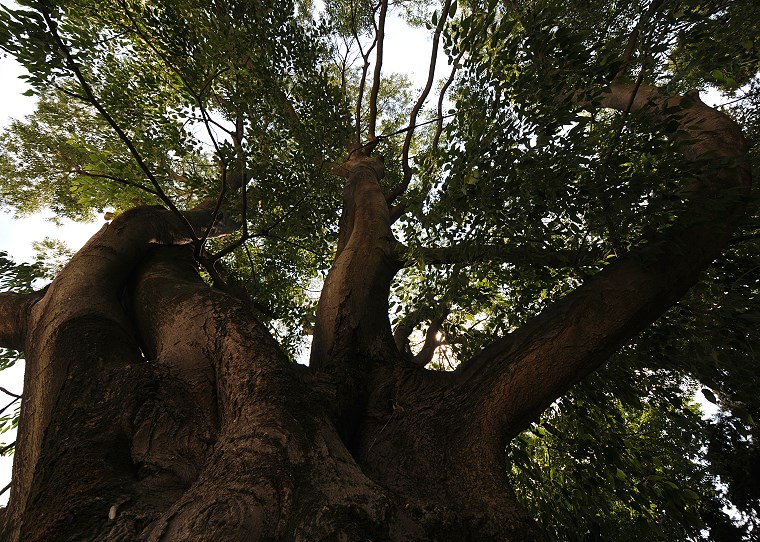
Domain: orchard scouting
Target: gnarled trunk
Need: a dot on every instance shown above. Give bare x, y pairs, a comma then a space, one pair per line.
177, 416
158, 408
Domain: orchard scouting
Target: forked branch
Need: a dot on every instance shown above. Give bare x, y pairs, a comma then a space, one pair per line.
424, 94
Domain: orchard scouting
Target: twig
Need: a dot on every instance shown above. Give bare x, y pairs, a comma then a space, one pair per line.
119, 180
6, 407
9, 393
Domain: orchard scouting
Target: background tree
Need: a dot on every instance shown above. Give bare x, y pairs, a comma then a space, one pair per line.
493, 253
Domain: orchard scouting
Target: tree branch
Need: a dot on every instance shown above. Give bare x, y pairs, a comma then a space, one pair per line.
363, 80
518, 376
464, 253
397, 211
425, 355
420, 102
441, 95
634, 37
9, 393
374, 91
92, 100
9, 405
119, 180
14, 314
741, 238
205, 117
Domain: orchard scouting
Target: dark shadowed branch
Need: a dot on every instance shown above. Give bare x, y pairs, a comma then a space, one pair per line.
464, 253
634, 36
432, 341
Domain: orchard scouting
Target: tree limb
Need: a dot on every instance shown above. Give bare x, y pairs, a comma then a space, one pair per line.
420, 102
520, 375
374, 91
425, 355
9, 393
14, 314
363, 79
397, 211
119, 180
634, 36
507, 253
741, 238
91, 99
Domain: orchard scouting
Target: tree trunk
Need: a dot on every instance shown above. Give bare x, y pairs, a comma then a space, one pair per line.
175, 416
158, 408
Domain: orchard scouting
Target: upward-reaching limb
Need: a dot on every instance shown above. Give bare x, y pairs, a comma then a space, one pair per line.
520, 375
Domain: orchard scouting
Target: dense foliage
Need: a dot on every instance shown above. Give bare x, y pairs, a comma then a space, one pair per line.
524, 189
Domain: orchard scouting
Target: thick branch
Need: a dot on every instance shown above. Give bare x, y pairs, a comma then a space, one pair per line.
80, 323
520, 375
352, 314
507, 253
14, 314
375, 90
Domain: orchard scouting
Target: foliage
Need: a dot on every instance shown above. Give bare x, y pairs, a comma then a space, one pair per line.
18, 278
263, 92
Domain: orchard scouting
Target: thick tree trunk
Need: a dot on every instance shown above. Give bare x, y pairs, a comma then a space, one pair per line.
157, 408
180, 418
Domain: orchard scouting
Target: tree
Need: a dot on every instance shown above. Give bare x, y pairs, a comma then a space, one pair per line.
574, 194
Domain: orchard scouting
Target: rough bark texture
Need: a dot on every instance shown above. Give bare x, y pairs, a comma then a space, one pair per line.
157, 408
